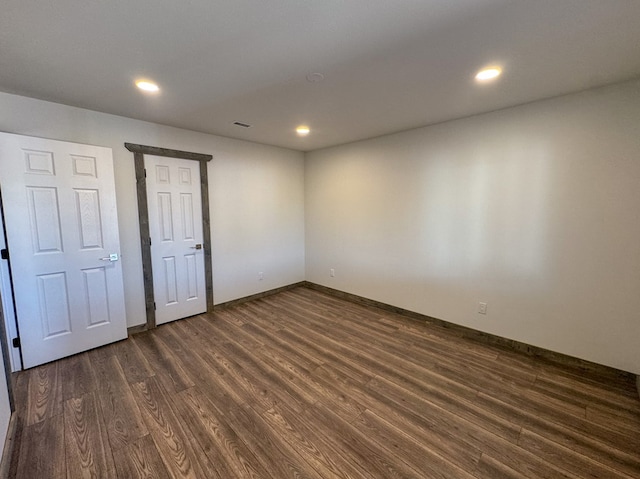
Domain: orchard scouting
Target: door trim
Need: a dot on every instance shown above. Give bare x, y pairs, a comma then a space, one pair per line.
10, 321
6, 366
143, 215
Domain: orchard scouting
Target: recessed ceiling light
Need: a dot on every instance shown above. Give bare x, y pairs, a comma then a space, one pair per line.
302, 130
148, 86
487, 74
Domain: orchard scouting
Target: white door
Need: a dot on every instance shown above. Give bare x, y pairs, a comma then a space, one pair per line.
62, 232
175, 227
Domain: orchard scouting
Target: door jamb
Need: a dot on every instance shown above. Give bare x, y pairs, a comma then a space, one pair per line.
143, 215
14, 354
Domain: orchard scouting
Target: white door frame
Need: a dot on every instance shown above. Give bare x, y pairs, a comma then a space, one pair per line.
6, 364
12, 356
7, 305
143, 215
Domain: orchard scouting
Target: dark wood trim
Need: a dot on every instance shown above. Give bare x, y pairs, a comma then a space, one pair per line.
264, 294
145, 239
638, 384
143, 218
485, 338
154, 150
206, 233
139, 328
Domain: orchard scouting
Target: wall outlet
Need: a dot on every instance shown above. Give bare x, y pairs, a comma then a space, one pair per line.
482, 308
332, 273
260, 276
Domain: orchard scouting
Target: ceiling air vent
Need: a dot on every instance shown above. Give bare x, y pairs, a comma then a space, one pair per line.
243, 125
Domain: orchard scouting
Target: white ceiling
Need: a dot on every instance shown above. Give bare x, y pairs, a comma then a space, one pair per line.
389, 65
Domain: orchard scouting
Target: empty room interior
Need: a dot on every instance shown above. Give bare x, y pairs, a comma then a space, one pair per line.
338, 239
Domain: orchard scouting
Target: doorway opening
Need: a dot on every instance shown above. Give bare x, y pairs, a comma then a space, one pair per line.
139, 152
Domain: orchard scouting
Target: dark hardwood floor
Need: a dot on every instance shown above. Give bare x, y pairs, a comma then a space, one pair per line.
306, 385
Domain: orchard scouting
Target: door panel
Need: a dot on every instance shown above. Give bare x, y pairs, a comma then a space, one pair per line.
62, 227
97, 296
88, 208
45, 220
54, 304
175, 227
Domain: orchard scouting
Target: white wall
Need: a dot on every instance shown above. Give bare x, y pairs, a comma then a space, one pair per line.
533, 210
256, 195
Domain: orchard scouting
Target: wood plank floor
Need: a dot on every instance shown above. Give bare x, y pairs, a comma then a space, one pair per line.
305, 385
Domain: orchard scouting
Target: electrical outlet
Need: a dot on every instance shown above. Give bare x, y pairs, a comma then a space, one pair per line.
260, 276
482, 308
332, 273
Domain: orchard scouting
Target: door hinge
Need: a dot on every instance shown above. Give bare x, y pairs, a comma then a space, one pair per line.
5, 253
145, 172
15, 342
154, 305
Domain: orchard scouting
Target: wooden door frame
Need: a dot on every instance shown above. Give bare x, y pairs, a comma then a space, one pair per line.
143, 215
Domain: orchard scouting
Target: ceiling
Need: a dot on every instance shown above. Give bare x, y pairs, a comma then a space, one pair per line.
388, 65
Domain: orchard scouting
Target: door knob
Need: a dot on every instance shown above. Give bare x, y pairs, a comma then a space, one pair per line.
198, 246
112, 257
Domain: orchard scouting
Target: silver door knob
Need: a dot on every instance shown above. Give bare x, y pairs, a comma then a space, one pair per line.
112, 257
198, 246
